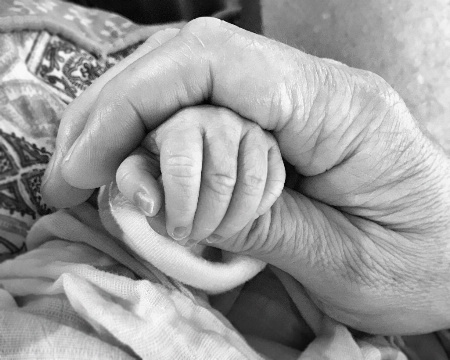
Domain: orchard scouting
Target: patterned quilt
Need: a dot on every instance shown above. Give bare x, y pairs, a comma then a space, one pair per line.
50, 52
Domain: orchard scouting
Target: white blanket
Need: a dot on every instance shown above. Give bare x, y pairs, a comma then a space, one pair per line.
81, 293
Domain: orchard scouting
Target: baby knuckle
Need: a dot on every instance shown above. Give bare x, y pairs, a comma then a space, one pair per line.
252, 183
254, 130
188, 115
221, 183
274, 188
181, 167
256, 140
123, 174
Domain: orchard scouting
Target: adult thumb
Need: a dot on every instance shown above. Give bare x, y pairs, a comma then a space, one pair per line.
325, 250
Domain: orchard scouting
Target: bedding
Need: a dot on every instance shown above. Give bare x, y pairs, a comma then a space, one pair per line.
78, 283
94, 284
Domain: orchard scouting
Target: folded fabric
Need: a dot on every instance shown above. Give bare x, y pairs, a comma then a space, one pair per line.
65, 299
126, 222
80, 292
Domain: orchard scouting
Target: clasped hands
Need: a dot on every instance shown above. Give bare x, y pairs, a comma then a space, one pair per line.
196, 123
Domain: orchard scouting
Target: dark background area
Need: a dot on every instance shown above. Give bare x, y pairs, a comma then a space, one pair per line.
244, 13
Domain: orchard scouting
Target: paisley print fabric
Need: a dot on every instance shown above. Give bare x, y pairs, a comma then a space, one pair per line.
42, 69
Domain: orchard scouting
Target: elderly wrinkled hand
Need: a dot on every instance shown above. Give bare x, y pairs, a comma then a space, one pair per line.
364, 224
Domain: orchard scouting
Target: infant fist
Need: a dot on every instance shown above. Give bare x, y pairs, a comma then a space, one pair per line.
218, 173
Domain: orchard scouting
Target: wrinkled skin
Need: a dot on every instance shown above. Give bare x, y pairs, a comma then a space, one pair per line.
364, 224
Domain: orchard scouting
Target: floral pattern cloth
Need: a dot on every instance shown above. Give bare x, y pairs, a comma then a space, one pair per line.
60, 49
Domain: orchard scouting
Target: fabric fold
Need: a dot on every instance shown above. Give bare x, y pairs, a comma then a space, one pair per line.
141, 318
126, 222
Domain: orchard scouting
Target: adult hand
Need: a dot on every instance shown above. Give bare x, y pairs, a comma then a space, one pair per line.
364, 227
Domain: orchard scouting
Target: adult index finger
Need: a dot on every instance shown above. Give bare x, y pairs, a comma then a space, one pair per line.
55, 190
301, 98
208, 60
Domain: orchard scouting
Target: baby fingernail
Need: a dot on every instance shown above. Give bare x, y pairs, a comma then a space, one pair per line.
180, 233
144, 202
190, 243
213, 239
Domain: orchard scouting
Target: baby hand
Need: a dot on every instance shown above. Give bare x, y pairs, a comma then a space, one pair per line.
218, 173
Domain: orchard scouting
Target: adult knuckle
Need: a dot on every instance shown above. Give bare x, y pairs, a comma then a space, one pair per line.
373, 88
212, 32
354, 84
161, 34
201, 24
202, 29
109, 93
